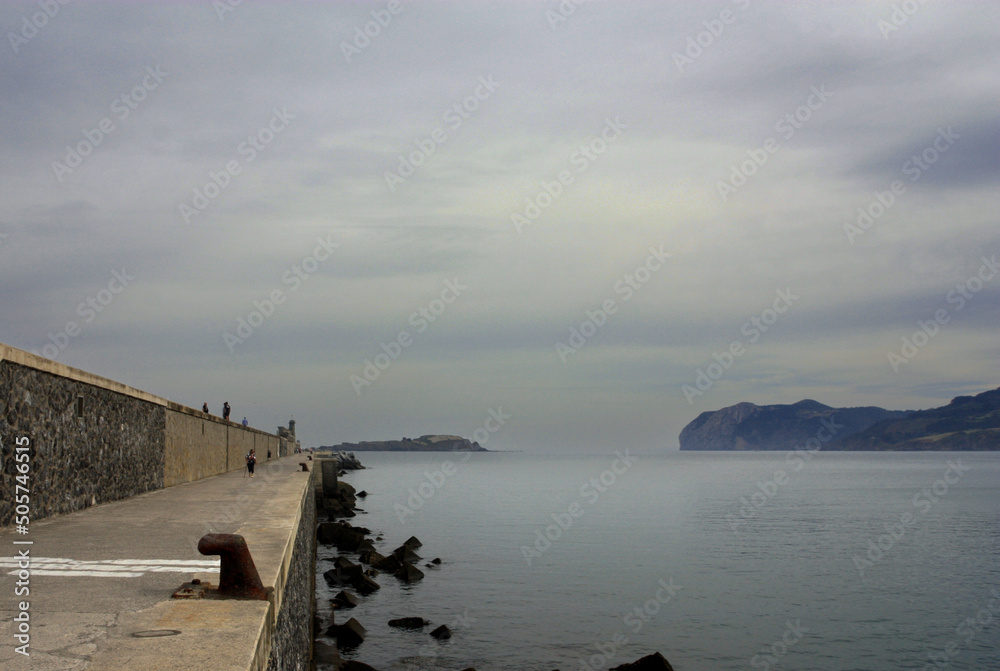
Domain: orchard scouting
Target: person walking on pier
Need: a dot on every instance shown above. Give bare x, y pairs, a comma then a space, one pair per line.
226, 410
251, 461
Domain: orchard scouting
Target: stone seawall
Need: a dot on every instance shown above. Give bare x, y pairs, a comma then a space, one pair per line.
291, 647
89, 445
95, 440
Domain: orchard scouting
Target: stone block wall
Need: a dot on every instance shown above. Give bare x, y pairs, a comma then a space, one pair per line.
94, 440
291, 645
88, 445
195, 448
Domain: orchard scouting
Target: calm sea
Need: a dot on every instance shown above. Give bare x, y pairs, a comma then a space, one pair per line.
718, 560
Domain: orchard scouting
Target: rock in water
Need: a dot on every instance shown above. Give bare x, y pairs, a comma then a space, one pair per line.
654, 662
412, 542
388, 564
409, 623
443, 632
349, 635
345, 599
370, 557
354, 665
409, 573
347, 567
364, 585
405, 555
324, 653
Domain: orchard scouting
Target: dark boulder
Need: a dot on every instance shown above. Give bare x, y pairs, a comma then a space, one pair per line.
436, 560
405, 555
364, 585
370, 557
413, 543
345, 537
324, 653
654, 662
362, 494
347, 567
388, 564
442, 633
344, 599
409, 573
335, 578
409, 623
355, 665
349, 635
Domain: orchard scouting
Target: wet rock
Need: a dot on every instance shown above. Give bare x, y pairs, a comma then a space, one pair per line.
409, 623
355, 665
436, 560
370, 557
654, 662
364, 585
349, 635
371, 573
365, 546
345, 537
442, 633
362, 494
405, 555
344, 599
324, 653
413, 543
388, 564
347, 567
335, 578
409, 573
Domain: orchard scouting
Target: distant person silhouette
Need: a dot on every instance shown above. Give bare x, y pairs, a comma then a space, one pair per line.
226, 410
245, 422
251, 461
204, 407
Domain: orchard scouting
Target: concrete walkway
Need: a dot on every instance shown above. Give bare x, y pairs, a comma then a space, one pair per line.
101, 578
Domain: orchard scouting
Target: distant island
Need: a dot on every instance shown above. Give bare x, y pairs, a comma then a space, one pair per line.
432, 443
967, 423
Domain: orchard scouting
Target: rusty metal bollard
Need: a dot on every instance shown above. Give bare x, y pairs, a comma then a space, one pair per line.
238, 577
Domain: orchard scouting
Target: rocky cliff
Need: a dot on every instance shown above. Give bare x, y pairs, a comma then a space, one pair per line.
746, 426
967, 423
421, 444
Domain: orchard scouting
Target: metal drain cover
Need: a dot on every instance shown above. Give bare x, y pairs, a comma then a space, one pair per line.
155, 633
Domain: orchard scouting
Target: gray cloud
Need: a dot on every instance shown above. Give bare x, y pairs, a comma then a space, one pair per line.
322, 175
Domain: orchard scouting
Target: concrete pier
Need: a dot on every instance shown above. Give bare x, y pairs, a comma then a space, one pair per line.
101, 579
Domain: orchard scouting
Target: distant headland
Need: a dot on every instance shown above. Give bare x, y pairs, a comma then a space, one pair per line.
432, 443
967, 423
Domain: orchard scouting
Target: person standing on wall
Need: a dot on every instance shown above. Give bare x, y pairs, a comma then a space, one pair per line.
251, 461
204, 407
225, 410
245, 422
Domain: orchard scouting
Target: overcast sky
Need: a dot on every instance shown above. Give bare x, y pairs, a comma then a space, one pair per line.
447, 190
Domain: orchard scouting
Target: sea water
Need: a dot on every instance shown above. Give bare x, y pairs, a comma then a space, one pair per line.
763, 560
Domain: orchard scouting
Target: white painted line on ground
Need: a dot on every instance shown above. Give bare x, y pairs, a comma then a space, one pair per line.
110, 568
